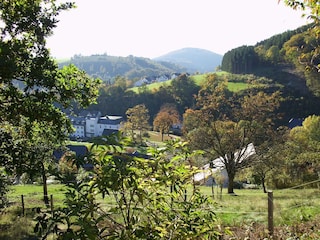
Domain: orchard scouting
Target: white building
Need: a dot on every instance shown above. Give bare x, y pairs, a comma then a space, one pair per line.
92, 124
79, 125
108, 123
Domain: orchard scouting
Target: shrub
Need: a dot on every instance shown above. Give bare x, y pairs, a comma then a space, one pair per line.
148, 199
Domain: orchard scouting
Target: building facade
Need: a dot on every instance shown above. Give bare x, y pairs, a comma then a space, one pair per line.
93, 124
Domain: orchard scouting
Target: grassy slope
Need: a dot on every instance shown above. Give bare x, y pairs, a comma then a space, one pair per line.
198, 79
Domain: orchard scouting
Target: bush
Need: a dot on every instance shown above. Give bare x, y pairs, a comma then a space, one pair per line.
141, 206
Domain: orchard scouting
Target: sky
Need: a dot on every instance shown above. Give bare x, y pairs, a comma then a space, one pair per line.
152, 28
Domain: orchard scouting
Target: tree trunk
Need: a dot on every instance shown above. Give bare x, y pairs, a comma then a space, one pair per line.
263, 185
45, 187
231, 183
162, 133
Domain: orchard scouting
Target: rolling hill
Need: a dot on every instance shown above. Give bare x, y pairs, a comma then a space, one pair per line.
193, 59
107, 67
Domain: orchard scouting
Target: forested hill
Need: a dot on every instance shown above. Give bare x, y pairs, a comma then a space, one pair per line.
283, 58
108, 67
193, 59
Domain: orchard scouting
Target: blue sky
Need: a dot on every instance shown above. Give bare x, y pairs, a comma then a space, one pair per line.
151, 28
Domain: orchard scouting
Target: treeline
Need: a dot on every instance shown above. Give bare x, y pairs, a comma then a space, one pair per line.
117, 98
287, 58
108, 67
269, 52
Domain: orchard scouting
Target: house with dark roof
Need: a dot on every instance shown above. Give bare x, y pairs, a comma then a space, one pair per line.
92, 124
111, 123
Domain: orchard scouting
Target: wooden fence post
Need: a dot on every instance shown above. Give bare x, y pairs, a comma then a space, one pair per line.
270, 212
22, 203
51, 204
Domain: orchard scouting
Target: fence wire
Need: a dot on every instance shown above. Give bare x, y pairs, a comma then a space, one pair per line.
294, 200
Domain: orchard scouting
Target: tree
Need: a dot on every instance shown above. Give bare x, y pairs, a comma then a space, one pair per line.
309, 51
183, 90
303, 148
240, 60
120, 82
165, 119
300, 50
40, 155
4, 189
227, 125
225, 139
29, 151
273, 54
309, 6
33, 90
31, 83
214, 99
137, 120
260, 110
268, 160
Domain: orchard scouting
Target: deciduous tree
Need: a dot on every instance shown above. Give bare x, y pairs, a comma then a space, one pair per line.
268, 162
226, 140
31, 85
165, 119
137, 120
33, 90
226, 125
303, 150
308, 48
183, 90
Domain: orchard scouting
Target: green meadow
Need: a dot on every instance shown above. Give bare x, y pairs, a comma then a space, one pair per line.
239, 212
198, 79
245, 206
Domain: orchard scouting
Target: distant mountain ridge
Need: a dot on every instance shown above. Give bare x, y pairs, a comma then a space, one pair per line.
107, 67
193, 59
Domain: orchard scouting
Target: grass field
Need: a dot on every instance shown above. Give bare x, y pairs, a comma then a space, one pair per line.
198, 79
244, 208
290, 206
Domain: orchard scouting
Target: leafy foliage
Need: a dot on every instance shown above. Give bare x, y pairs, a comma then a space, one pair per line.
30, 81
137, 120
147, 195
303, 151
283, 57
165, 119
225, 123
33, 89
